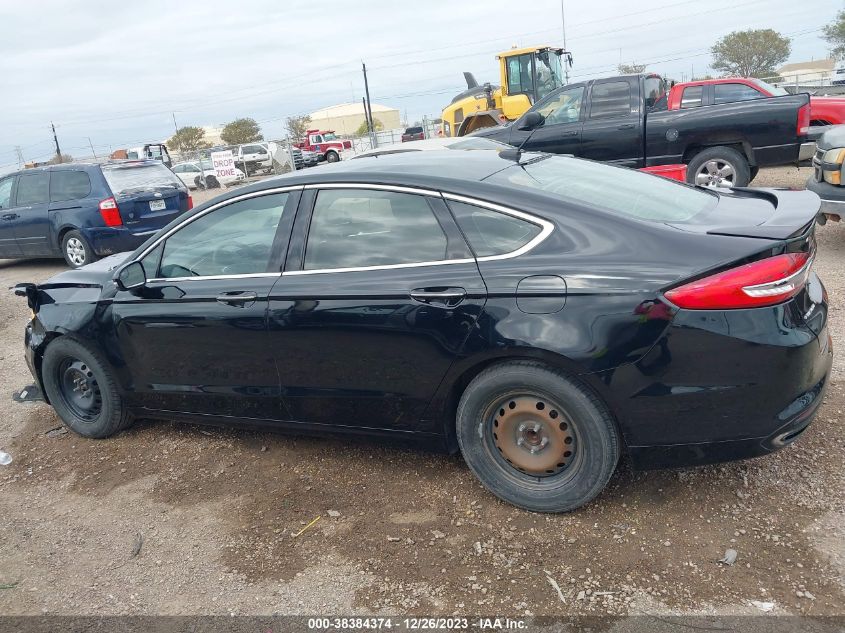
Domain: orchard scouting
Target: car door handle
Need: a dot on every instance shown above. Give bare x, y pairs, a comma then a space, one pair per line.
570, 133
9, 216
239, 299
627, 126
443, 296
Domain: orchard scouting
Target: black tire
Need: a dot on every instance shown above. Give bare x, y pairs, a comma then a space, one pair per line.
76, 250
719, 155
566, 403
753, 173
91, 407
199, 183
211, 182
332, 157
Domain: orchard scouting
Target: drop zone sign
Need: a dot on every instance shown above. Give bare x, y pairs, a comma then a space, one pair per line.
224, 165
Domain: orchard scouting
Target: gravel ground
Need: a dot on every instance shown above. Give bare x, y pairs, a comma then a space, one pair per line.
225, 519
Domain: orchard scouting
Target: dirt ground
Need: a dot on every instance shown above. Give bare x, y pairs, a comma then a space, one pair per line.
225, 519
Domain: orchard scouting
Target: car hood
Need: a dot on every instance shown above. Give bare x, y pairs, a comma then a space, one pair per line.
832, 138
95, 274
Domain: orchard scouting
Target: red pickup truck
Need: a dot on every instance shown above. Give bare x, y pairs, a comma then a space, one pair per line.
693, 94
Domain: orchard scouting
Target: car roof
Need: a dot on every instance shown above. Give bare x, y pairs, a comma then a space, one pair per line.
77, 164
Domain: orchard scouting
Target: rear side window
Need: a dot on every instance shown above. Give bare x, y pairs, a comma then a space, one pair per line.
6, 192
491, 232
691, 97
69, 185
353, 228
621, 191
33, 188
729, 93
127, 178
610, 99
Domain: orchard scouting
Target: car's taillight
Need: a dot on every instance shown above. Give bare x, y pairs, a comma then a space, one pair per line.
761, 283
110, 212
190, 203
803, 126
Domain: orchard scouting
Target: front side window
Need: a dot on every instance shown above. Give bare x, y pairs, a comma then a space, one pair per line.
69, 185
232, 240
33, 189
492, 232
564, 107
610, 99
353, 228
691, 97
6, 193
729, 93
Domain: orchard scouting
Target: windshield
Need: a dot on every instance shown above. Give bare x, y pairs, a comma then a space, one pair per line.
549, 75
632, 194
773, 90
126, 177
329, 137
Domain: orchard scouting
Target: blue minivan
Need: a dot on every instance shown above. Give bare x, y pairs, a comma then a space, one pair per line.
84, 211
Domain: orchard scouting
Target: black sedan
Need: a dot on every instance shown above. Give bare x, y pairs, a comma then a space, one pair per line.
541, 314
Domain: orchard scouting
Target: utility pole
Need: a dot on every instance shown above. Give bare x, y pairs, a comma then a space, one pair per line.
176, 136
369, 108
563, 26
56, 139
93, 153
19, 152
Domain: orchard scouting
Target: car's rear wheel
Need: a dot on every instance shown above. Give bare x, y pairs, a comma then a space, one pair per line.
198, 182
332, 157
76, 250
719, 167
82, 389
536, 437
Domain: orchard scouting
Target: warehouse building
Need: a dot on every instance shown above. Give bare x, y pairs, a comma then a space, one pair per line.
346, 118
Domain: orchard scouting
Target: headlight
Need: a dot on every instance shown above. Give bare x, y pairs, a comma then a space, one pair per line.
832, 161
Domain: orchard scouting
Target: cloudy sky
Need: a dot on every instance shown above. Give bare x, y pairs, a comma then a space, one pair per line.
116, 72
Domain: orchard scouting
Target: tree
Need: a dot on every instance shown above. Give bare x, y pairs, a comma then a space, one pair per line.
752, 53
241, 131
64, 158
297, 126
188, 139
630, 69
362, 129
834, 33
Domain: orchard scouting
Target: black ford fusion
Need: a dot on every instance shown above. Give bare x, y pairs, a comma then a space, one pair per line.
541, 314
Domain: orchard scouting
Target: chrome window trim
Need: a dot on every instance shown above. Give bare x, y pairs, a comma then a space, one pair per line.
214, 207
363, 185
356, 269
546, 226
212, 277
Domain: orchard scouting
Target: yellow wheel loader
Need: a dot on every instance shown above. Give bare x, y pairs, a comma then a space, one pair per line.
526, 74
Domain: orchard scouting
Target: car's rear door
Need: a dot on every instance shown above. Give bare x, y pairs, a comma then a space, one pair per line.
31, 223
194, 338
379, 293
8, 244
147, 193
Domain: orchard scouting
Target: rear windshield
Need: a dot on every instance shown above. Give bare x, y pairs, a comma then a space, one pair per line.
128, 177
625, 192
413, 130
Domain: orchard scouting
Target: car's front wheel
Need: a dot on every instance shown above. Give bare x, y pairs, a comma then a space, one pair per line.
536, 437
82, 390
76, 250
332, 157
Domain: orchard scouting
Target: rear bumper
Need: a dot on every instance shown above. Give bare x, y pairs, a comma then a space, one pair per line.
110, 240
726, 385
833, 196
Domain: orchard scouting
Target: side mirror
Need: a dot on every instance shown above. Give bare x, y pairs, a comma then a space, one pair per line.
530, 121
130, 276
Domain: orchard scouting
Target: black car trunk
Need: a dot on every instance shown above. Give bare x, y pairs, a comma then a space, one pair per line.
147, 194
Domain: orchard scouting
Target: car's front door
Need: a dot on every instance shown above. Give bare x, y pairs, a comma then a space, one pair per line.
374, 306
32, 224
194, 338
561, 130
8, 244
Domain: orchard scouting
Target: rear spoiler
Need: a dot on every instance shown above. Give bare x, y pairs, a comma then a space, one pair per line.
791, 218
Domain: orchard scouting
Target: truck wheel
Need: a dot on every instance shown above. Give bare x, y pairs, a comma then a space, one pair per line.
754, 171
719, 167
332, 157
76, 250
211, 182
536, 437
83, 390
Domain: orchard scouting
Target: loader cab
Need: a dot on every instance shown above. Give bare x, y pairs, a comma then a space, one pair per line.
528, 75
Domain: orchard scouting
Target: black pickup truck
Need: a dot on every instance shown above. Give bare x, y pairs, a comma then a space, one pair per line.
623, 120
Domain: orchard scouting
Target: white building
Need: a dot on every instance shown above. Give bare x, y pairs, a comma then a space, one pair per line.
346, 118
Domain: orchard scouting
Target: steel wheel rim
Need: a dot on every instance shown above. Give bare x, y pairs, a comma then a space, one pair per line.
531, 435
716, 173
75, 250
79, 389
